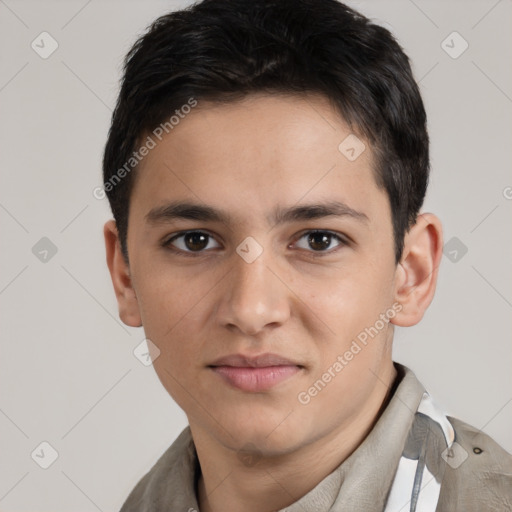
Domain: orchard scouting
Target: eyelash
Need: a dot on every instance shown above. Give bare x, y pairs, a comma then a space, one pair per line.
166, 244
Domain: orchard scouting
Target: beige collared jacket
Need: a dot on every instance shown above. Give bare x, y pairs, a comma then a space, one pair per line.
415, 459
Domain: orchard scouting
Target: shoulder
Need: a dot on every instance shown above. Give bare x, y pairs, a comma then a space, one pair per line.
478, 473
169, 483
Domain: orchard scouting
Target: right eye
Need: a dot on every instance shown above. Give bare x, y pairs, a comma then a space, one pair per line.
191, 241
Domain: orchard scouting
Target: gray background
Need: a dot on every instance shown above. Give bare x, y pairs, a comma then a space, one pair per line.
68, 375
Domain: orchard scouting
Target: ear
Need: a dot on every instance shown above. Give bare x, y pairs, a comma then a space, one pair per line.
120, 274
417, 271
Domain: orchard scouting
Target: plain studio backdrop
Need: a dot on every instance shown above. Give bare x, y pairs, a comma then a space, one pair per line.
68, 374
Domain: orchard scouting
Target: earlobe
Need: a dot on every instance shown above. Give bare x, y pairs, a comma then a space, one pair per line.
417, 271
121, 279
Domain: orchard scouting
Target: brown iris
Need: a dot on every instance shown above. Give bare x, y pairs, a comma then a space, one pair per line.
319, 241
196, 241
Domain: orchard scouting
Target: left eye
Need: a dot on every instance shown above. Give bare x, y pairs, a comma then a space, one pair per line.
319, 241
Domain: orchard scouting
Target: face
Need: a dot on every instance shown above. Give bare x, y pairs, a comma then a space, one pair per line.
259, 253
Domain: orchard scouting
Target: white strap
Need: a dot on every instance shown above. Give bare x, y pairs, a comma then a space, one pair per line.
402, 495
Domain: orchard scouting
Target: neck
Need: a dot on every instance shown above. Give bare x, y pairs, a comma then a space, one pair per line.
227, 485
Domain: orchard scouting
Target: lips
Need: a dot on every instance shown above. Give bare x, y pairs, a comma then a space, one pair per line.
255, 373
263, 360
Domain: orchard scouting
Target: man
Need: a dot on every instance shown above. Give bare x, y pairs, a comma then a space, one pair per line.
266, 166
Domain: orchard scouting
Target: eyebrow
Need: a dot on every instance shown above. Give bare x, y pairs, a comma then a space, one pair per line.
204, 213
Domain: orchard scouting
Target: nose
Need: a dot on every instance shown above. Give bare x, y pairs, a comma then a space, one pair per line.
254, 298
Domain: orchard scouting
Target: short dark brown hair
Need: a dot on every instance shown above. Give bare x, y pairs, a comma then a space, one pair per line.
224, 50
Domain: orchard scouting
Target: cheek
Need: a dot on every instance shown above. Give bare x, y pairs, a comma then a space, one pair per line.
167, 296
350, 304
171, 320
348, 299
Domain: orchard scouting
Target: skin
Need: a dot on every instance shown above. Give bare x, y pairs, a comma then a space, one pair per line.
248, 158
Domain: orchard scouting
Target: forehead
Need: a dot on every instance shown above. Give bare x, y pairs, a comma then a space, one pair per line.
259, 152
287, 125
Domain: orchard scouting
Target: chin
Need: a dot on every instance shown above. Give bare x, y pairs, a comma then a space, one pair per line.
267, 436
